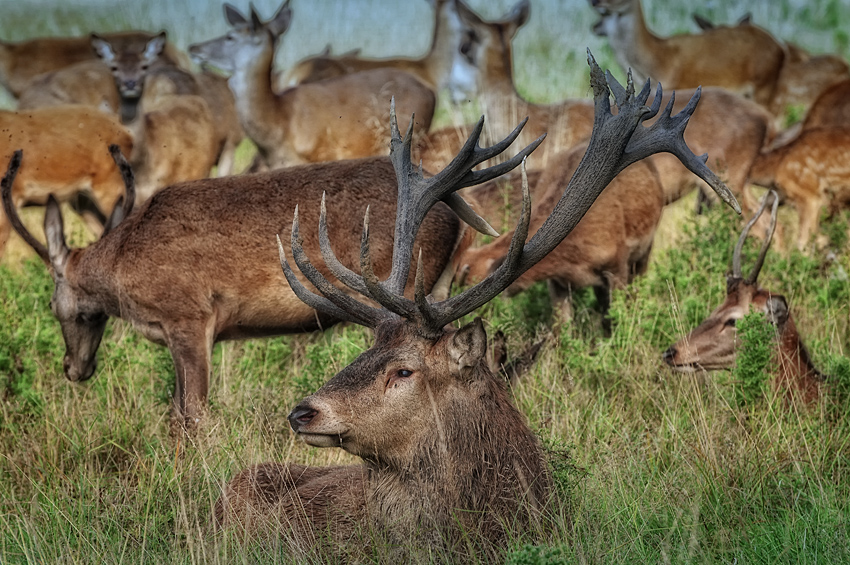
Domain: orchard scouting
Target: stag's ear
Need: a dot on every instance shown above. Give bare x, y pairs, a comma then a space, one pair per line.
232, 16
777, 310
281, 20
468, 346
54, 229
102, 48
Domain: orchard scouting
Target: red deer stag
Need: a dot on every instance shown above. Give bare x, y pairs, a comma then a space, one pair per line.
23, 61
339, 118
608, 247
447, 457
434, 69
194, 265
69, 158
713, 344
744, 59
175, 139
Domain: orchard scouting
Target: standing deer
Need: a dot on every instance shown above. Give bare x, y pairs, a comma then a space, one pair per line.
744, 59
174, 135
195, 265
69, 157
434, 69
447, 458
713, 344
23, 61
608, 247
339, 118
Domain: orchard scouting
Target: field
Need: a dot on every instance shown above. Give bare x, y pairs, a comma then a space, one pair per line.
651, 466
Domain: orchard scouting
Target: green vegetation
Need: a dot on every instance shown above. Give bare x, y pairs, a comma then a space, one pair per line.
650, 465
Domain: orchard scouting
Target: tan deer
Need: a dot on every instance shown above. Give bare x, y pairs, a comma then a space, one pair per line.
340, 118
744, 59
21, 62
174, 135
196, 264
831, 109
434, 69
713, 344
449, 464
608, 247
812, 172
68, 145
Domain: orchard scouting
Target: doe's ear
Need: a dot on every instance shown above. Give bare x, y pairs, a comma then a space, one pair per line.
154, 47
777, 310
54, 229
281, 20
468, 346
466, 14
232, 16
518, 15
102, 48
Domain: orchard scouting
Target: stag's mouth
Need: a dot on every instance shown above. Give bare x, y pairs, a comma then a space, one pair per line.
322, 440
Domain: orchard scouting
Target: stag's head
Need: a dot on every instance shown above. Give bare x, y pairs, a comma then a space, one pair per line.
250, 40
81, 312
422, 380
713, 344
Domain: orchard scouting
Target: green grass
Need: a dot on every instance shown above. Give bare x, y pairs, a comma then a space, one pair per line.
650, 466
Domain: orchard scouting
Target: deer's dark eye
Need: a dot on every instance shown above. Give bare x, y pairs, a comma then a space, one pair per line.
404, 373
730, 323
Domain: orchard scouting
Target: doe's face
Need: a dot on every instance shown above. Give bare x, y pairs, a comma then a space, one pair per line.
83, 322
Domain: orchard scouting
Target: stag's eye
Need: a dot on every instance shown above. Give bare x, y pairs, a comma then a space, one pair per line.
404, 373
730, 323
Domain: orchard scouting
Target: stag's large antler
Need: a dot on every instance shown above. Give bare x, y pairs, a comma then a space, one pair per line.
736, 255
616, 142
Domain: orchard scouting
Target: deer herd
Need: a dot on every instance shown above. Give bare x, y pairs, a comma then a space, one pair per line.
124, 128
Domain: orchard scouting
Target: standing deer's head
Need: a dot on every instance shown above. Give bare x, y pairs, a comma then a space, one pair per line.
80, 310
247, 42
424, 382
713, 344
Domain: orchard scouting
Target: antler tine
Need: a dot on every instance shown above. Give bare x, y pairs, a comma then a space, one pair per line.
754, 274
616, 142
478, 177
127, 176
342, 301
395, 302
736, 254
12, 213
340, 271
314, 300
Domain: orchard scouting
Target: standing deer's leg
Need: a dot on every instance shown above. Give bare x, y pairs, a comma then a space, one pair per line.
808, 211
561, 297
5, 231
226, 159
191, 350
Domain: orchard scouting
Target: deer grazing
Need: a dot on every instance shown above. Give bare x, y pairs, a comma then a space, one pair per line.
811, 171
608, 247
21, 62
447, 459
744, 59
69, 157
175, 139
434, 69
340, 118
713, 344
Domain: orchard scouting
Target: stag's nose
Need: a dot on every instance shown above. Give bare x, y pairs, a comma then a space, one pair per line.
669, 355
301, 416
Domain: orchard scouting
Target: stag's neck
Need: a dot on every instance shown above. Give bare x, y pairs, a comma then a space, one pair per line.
634, 45
488, 471
262, 113
796, 374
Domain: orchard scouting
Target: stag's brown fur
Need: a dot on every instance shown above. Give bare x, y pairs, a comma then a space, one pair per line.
67, 155
481, 475
744, 59
21, 62
812, 171
713, 345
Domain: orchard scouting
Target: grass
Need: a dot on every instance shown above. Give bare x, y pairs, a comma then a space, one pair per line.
651, 466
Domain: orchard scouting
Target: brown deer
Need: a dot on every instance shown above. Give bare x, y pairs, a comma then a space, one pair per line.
194, 265
175, 139
803, 77
831, 109
340, 118
68, 148
713, 344
811, 172
608, 247
21, 62
447, 458
744, 59
433, 69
